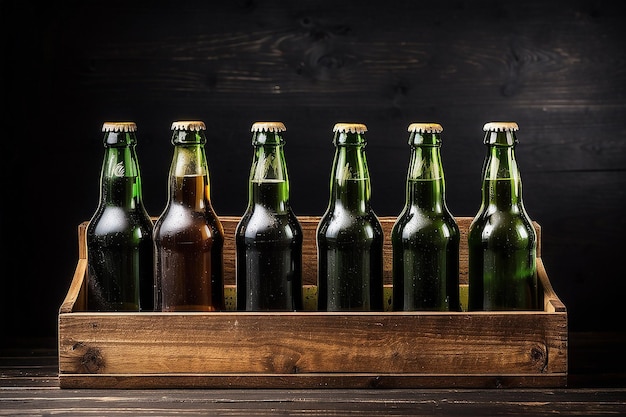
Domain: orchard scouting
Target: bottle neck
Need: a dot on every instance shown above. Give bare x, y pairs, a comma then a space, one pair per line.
502, 186
350, 186
189, 177
425, 186
269, 182
120, 179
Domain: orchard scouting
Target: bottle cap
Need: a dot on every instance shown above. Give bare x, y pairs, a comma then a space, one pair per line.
193, 125
425, 128
268, 127
119, 127
350, 127
500, 127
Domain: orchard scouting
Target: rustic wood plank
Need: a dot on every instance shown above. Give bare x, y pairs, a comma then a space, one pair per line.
295, 343
334, 52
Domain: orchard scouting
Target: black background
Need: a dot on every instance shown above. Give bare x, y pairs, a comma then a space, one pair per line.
557, 68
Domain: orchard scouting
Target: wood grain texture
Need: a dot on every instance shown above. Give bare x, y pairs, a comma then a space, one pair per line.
298, 343
312, 350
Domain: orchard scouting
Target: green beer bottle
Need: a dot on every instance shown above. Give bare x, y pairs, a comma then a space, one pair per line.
268, 238
425, 236
188, 236
349, 235
119, 235
501, 239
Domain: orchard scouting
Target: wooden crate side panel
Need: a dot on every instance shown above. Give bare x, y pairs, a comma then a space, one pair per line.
551, 302
309, 249
76, 297
459, 343
82, 243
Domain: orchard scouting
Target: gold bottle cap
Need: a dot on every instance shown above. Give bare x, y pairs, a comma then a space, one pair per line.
500, 127
119, 127
425, 128
268, 127
193, 125
350, 127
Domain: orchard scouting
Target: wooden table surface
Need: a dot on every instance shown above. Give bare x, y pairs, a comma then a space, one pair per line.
596, 386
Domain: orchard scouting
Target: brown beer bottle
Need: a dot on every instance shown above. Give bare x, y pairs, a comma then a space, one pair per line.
188, 236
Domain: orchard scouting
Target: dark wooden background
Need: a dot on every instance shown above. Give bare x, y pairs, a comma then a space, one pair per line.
558, 68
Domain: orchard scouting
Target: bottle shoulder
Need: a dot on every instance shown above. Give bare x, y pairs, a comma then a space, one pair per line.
113, 219
500, 218
412, 222
338, 213
502, 226
415, 213
178, 216
338, 223
259, 220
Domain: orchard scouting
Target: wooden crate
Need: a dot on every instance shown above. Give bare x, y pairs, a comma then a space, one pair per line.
312, 349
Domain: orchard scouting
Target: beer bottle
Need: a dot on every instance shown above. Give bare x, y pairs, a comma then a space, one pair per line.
349, 235
119, 235
269, 236
425, 236
188, 236
501, 238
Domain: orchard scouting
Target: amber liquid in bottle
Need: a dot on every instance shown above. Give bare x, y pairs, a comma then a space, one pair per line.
188, 236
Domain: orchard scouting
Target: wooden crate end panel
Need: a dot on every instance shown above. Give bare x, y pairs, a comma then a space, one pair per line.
76, 293
551, 301
82, 243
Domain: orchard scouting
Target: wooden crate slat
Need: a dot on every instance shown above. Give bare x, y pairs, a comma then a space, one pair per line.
311, 342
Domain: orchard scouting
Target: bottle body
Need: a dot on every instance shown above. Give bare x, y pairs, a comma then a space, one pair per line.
188, 236
349, 235
502, 239
268, 237
119, 234
425, 237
